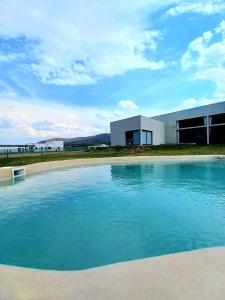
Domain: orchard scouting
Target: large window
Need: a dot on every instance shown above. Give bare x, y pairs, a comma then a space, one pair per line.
216, 134
194, 122
192, 131
133, 137
218, 119
136, 137
194, 135
146, 137
217, 129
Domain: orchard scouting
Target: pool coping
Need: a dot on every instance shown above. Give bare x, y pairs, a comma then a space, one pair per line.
51, 165
192, 275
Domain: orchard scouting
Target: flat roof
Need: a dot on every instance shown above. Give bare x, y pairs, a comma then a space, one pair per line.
174, 112
137, 116
192, 108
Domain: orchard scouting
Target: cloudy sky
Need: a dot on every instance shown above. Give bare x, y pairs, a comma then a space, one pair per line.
69, 67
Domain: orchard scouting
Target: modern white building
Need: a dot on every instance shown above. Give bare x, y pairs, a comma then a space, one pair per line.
201, 125
34, 147
53, 145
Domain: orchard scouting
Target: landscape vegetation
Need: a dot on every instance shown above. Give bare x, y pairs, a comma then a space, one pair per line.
30, 158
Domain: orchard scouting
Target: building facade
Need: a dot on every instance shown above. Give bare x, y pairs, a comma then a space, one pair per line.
138, 130
48, 146
34, 147
201, 125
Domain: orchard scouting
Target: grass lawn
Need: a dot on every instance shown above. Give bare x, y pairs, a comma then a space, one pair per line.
24, 159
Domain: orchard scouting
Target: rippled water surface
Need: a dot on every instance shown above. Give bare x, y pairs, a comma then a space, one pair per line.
85, 217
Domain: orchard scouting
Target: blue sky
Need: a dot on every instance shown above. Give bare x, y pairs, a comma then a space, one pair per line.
68, 68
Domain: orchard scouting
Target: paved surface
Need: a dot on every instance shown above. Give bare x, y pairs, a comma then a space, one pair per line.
192, 275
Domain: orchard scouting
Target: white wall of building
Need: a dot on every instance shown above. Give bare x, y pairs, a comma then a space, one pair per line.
164, 127
157, 128
118, 129
171, 118
49, 146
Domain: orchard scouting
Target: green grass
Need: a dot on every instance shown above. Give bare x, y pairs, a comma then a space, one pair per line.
20, 159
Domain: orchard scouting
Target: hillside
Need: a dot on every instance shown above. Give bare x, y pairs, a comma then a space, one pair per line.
103, 138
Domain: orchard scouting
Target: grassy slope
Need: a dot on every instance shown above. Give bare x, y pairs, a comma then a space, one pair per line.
20, 159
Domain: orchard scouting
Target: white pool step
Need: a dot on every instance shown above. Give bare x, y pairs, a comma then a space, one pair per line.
12, 172
18, 172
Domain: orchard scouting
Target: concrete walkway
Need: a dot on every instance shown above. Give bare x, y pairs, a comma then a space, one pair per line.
192, 275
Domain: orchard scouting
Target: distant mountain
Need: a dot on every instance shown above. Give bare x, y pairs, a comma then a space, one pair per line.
103, 138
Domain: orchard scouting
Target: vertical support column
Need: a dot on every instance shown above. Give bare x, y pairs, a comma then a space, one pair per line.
207, 129
177, 132
178, 136
140, 124
140, 137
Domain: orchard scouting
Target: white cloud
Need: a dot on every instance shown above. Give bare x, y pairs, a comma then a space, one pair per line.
79, 42
205, 57
221, 28
30, 119
128, 104
193, 102
205, 7
9, 58
27, 119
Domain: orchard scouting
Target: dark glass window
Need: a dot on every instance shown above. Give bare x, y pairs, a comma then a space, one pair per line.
195, 136
217, 134
218, 119
191, 122
136, 137
132, 137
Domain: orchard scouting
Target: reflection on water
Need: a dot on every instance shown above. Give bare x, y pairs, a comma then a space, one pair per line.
195, 176
12, 181
132, 175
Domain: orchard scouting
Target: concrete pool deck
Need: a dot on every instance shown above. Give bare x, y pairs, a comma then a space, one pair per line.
191, 275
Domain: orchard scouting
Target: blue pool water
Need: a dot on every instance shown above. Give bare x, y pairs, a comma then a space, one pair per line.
85, 217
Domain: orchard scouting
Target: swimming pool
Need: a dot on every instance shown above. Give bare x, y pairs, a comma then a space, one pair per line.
84, 217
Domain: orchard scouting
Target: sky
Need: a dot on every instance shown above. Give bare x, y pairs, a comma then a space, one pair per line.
70, 67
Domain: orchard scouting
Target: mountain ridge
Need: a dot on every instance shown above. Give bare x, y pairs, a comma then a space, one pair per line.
102, 138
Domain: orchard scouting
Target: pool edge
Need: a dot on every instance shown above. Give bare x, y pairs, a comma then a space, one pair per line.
51, 165
197, 274
45, 166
